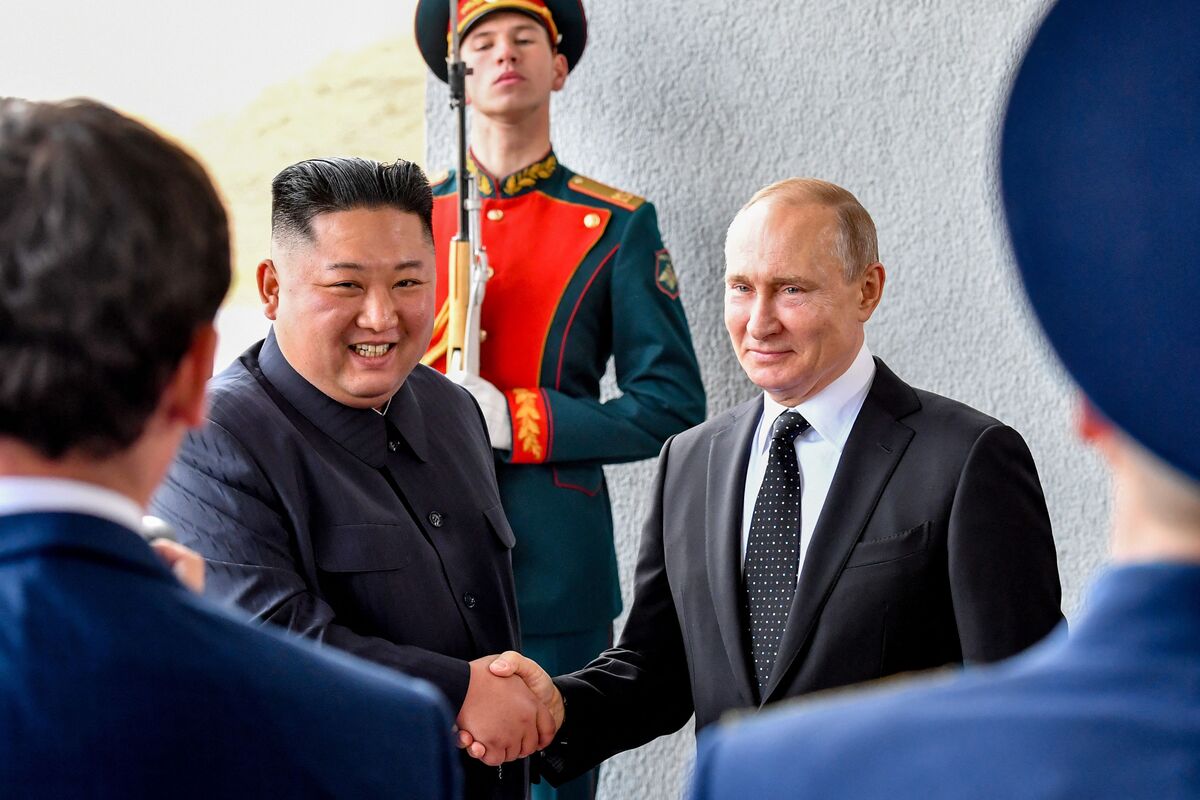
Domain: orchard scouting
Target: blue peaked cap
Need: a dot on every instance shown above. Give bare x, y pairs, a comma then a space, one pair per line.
1100, 167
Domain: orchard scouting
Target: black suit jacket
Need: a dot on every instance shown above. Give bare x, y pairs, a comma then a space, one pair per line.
383, 538
933, 547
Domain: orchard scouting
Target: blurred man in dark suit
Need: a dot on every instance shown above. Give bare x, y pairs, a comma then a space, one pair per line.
115, 680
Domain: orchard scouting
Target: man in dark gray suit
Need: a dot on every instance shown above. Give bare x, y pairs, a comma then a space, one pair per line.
839, 528
339, 489
1099, 167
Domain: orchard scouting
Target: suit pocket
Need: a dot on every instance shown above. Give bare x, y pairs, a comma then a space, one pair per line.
498, 522
365, 547
587, 478
890, 548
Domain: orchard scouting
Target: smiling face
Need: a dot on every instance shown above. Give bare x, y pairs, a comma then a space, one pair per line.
796, 323
353, 307
513, 66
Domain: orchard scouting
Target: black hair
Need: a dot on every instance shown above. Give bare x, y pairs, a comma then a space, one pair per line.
114, 250
321, 185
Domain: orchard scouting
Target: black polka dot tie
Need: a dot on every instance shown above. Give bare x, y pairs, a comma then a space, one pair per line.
773, 548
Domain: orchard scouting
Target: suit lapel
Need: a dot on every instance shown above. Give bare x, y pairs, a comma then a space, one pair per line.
728, 455
876, 444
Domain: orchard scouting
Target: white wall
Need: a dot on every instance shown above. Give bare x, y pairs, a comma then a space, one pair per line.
698, 104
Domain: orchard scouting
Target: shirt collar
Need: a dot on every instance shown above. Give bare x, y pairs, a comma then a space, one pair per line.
29, 495
831, 412
361, 431
523, 180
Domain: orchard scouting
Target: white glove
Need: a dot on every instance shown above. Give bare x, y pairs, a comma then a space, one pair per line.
492, 403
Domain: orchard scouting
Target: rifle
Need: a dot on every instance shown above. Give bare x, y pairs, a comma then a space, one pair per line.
468, 271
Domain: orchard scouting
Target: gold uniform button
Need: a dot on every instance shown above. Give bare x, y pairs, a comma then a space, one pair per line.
591, 220
495, 214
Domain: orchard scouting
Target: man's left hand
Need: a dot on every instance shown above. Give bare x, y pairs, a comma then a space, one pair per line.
187, 564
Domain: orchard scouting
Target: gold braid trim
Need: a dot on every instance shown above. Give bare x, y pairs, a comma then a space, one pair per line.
529, 427
530, 175
626, 200
485, 183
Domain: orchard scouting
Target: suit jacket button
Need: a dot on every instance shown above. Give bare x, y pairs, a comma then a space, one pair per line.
469, 600
393, 446
435, 519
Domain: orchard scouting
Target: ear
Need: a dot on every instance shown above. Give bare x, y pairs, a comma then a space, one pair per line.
870, 288
268, 287
186, 395
1090, 424
560, 72
1094, 428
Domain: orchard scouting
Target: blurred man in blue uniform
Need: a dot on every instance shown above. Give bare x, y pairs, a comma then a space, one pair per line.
580, 274
115, 680
1101, 181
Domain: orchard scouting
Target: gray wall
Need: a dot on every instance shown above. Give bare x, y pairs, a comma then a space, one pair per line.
696, 105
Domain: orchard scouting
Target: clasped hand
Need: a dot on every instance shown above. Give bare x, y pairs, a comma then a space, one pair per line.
512, 709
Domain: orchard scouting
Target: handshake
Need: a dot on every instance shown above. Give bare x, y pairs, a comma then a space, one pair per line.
512, 709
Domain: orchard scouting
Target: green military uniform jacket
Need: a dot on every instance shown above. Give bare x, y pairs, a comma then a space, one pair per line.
580, 274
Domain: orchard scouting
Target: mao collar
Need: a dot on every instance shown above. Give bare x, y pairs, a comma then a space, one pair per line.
362, 431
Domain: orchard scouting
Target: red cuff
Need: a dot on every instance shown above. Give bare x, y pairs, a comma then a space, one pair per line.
531, 425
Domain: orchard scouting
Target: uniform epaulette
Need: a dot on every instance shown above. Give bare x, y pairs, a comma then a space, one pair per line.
591, 188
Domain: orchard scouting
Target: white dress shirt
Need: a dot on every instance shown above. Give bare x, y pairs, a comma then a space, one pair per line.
831, 413
47, 495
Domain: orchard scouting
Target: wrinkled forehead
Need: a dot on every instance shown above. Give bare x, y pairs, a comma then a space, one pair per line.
779, 224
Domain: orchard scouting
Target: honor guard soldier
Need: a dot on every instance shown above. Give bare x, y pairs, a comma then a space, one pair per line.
578, 273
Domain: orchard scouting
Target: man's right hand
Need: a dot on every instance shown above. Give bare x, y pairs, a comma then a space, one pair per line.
501, 719
512, 664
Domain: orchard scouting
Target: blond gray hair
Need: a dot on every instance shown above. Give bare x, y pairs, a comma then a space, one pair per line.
856, 246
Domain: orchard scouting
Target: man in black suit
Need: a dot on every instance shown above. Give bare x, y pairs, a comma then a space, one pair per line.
115, 680
343, 491
1099, 161
840, 528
